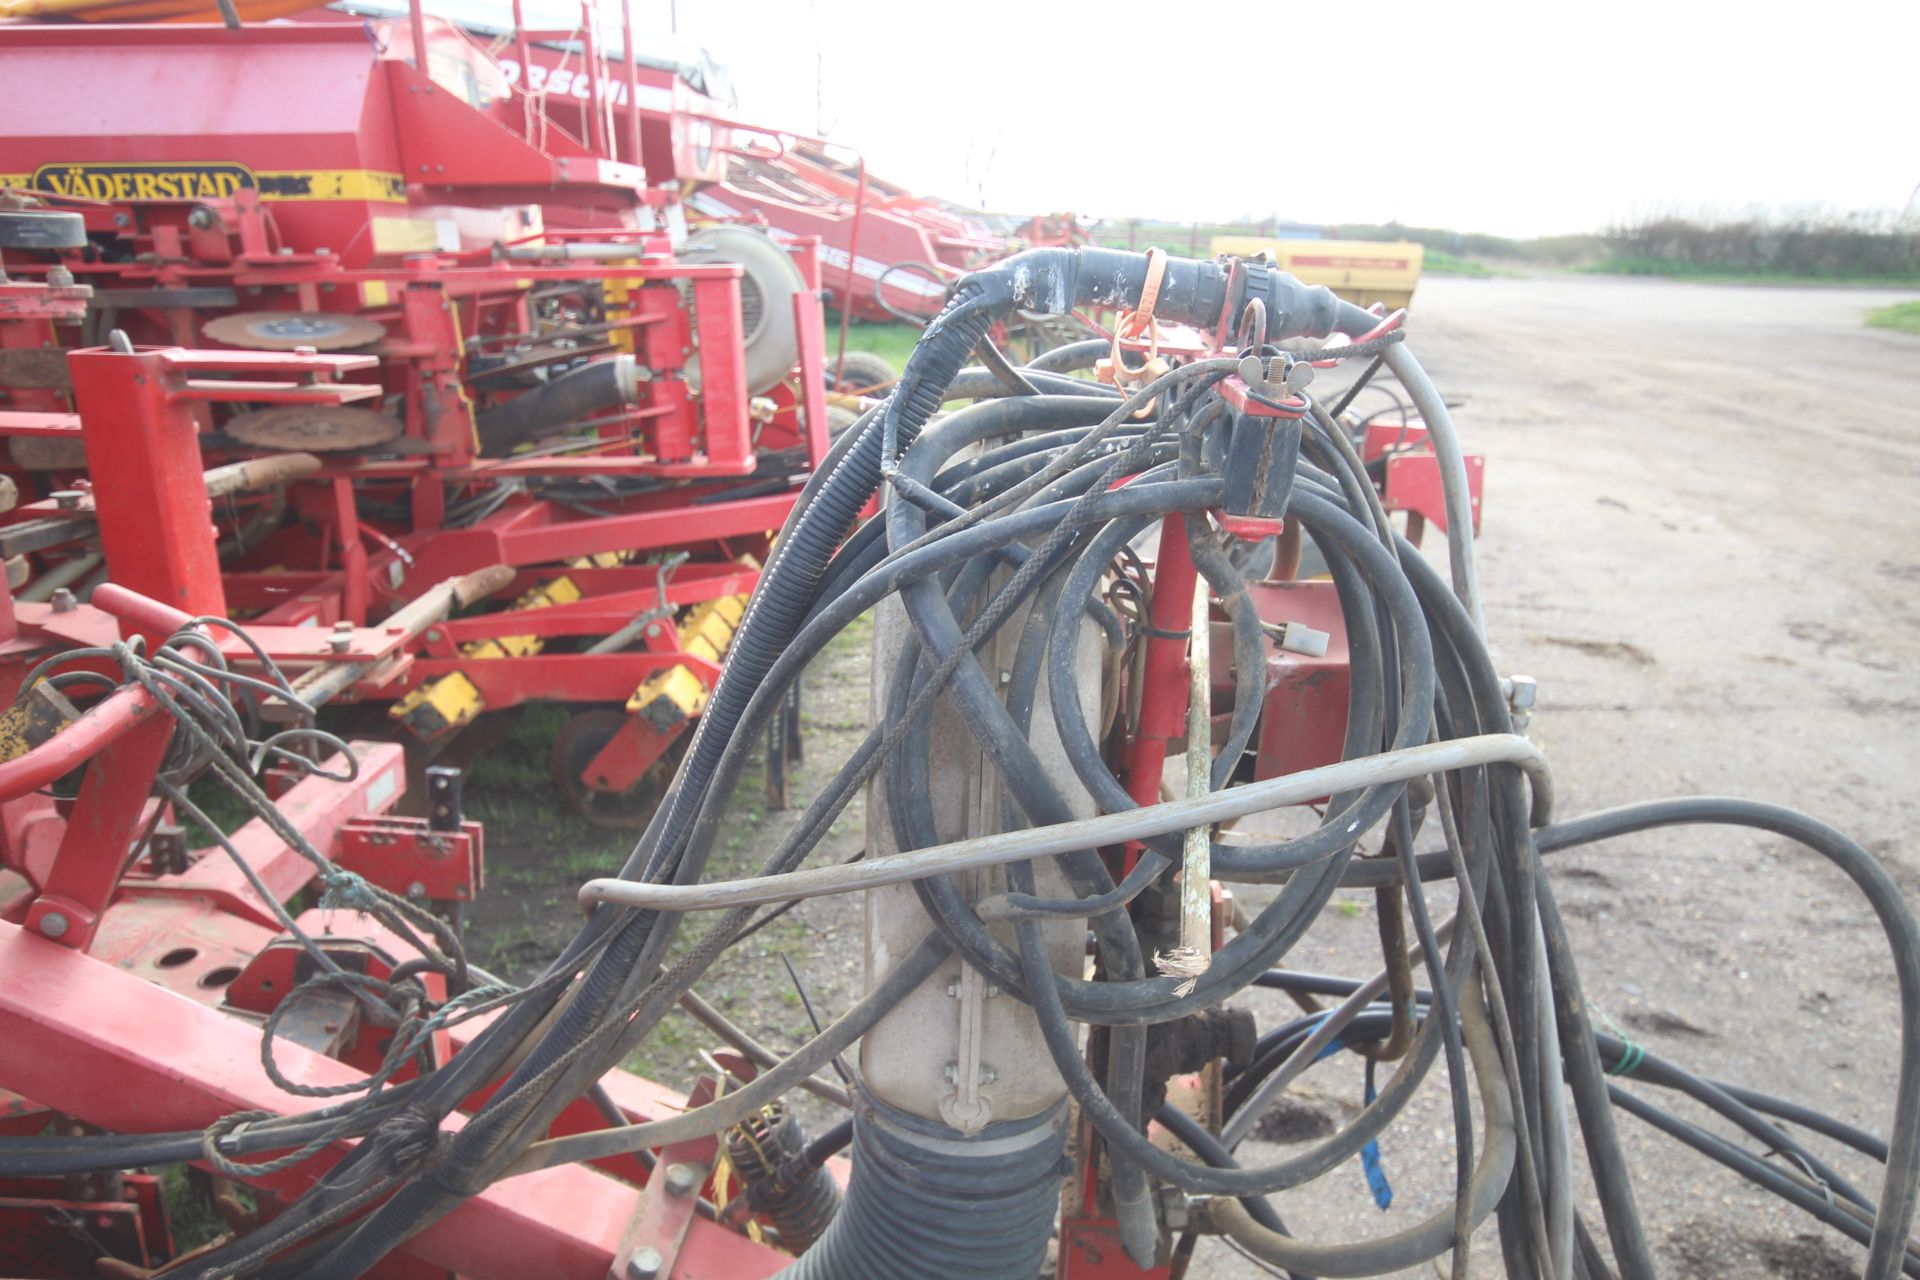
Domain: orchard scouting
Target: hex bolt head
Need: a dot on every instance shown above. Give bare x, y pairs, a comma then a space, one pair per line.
67, 499
64, 601
1521, 691
58, 277
416, 890
53, 924
645, 1264
681, 1180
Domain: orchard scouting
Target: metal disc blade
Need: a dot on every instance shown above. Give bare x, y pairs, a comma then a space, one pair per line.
313, 428
285, 330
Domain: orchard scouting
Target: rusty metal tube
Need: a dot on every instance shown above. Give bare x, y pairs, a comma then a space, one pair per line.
433, 605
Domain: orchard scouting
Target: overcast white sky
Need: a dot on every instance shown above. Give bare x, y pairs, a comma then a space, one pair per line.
1520, 119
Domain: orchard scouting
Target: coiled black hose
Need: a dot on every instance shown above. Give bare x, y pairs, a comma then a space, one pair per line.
1039, 506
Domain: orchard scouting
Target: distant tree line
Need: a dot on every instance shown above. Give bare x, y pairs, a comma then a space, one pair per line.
1807, 245
1815, 245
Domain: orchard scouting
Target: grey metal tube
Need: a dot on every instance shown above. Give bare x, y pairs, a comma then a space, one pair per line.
1066, 837
925, 1200
1558, 1134
1453, 476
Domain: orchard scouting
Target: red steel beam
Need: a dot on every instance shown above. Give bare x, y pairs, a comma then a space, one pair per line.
143, 455
317, 807
112, 1050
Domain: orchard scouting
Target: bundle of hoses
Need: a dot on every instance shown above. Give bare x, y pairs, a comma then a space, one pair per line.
1015, 506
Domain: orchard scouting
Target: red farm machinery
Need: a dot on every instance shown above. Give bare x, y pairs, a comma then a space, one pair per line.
533, 365
370, 359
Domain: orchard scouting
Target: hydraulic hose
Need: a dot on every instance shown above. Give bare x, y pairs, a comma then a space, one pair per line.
1035, 499
595, 388
1429, 1238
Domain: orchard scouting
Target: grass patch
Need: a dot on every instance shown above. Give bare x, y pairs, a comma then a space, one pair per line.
1438, 262
1903, 316
891, 342
1667, 270
217, 800
191, 1214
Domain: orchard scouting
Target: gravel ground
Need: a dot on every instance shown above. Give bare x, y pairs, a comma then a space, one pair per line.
1699, 538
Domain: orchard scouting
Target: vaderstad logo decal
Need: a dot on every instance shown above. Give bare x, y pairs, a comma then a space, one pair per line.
161, 181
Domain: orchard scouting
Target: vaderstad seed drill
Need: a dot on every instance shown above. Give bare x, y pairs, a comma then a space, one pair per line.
547, 373
1083, 697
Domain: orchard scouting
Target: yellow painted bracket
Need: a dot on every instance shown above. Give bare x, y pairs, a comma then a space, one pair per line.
677, 695
440, 706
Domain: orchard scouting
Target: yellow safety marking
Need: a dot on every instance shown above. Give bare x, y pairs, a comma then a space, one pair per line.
205, 180
405, 235
436, 707
677, 695
40, 713
453, 699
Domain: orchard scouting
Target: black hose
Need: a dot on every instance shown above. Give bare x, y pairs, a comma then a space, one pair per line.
602, 385
926, 1200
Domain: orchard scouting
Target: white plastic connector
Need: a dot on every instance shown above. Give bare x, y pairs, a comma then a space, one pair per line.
1306, 641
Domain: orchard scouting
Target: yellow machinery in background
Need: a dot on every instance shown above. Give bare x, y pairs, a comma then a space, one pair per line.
1361, 271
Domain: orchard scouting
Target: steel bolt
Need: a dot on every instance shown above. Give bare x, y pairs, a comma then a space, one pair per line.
645, 1264
201, 218
53, 924
416, 890
1177, 1207
58, 277
1521, 691
64, 601
681, 1179
67, 499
